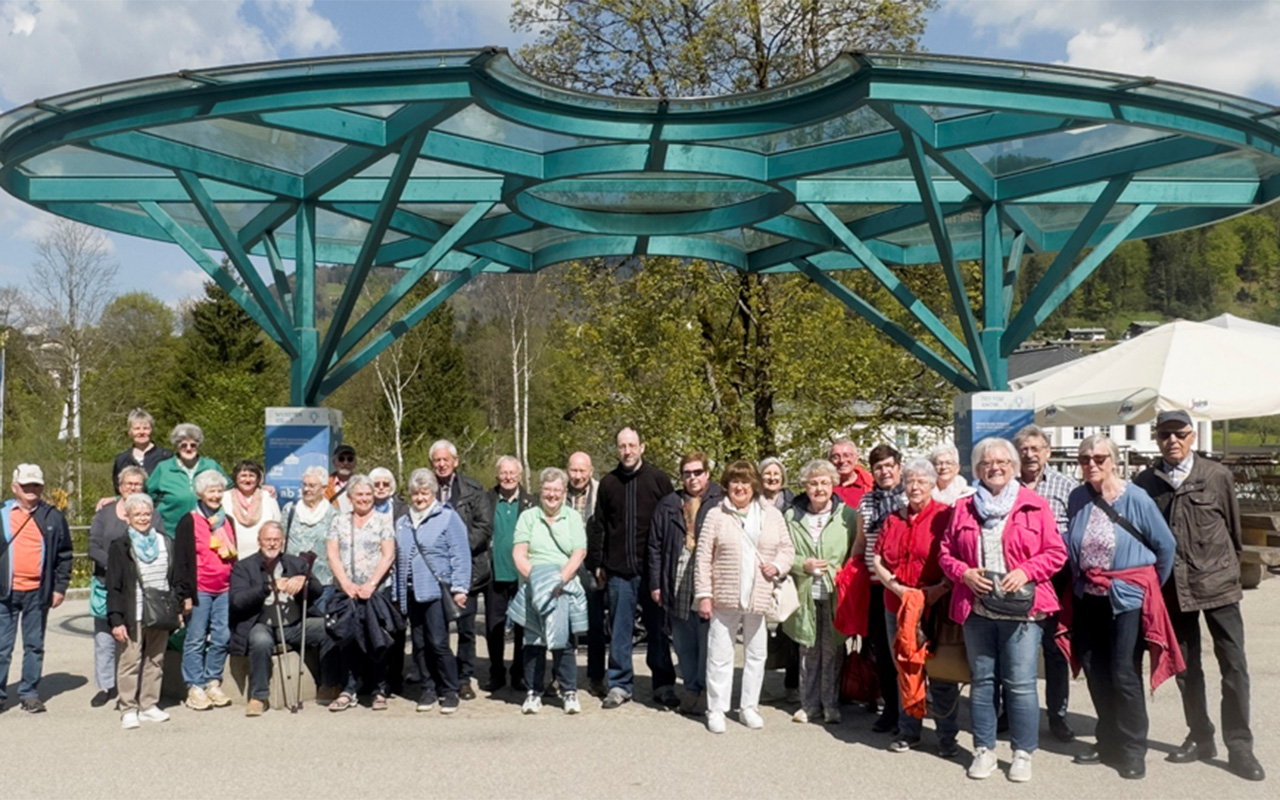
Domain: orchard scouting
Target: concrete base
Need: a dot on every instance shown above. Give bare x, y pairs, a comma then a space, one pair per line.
236, 678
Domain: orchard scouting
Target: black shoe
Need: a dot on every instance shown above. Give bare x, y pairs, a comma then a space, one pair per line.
885, 725
948, 749
467, 691
598, 688
1192, 750
32, 705
495, 685
1090, 756
1061, 730
102, 698
667, 697
1133, 769
1243, 763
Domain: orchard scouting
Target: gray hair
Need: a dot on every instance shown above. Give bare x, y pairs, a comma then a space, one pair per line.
1090, 442
356, 481
140, 415
819, 466
980, 450
553, 475
943, 449
132, 472
207, 480
438, 443
316, 471
1030, 432
771, 461
385, 474
842, 441
509, 460
184, 431
138, 499
423, 478
271, 523
920, 466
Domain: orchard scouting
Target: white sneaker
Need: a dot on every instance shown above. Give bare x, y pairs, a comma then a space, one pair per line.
216, 696
1020, 770
801, 716
984, 763
129, 721
154, 714
197, 700
532, 703
571, 704
751, 718
715, 721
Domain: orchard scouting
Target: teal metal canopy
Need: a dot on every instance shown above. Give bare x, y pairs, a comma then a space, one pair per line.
458, 163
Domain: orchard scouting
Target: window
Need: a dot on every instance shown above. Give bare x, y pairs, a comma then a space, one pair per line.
1130, 433
1077, 433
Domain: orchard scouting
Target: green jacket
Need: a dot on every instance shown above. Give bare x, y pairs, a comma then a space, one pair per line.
173, 489
833, 546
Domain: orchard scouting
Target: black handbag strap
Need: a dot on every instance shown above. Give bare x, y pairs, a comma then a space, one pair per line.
1117, 519
422, 553
5, 542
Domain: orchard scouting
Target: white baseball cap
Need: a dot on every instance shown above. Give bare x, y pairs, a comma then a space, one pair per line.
28, 473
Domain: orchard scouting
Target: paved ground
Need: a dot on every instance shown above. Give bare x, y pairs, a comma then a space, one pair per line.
489, 750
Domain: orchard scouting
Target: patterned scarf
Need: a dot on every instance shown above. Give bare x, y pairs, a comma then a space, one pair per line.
146, 546
691, 507
224, 546
248, 510
884, 502
993, 508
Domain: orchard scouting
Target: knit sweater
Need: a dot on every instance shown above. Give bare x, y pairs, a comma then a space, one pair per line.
624, 510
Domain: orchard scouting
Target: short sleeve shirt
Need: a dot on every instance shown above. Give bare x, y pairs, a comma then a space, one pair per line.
360, 549
551, 543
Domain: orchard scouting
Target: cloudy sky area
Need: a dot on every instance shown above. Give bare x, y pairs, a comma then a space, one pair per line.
52, 46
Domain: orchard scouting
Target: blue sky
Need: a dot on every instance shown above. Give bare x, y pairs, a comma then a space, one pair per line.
53, 46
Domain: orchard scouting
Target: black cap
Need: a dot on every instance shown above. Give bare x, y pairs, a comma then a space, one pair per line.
344, 449
1173, 416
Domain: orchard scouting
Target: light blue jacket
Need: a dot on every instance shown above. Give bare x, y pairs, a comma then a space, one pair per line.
441, 541
1138, 508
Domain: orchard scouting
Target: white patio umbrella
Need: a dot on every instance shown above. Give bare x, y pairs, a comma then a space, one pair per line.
1233, 323
1213, 372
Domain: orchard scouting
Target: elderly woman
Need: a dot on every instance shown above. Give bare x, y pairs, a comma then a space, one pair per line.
951, 485
743, 549
822, 529
144, 453
109, 523
1121, 553
361, 551
384, 494
773, 477
550, 605
172, 482
141, 560
249, 505
906, 558
307, 522
206, 551
1000, 550
432, 557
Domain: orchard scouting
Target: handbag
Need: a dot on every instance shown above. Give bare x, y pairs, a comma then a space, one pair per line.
160, 609
97, 598
1000, 602
853, 598
948, 658
859, 682
452, 613
784, 600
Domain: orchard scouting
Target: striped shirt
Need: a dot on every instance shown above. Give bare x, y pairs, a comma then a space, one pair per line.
153, 576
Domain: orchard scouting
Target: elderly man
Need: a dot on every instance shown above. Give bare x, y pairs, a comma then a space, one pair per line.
266, 595
618, 550
855, 481
469, 499
509, 499
1198, 499
35, 567
344, 465
1053, 486
581, 497
886, 497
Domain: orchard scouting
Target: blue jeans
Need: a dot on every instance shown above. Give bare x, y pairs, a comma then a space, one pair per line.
564, 664
624, 594
437, 666
944, 698
202, 661
689, 639
25, 609
1003, 652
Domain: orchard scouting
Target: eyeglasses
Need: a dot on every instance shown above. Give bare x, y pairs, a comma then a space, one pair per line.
1097, 460
693, 473
188, 446
1165, 435
1003, 463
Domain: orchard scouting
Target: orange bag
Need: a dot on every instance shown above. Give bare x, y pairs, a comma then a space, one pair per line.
853, 598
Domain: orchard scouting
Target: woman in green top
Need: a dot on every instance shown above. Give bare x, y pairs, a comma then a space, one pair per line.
822, 528
172, 483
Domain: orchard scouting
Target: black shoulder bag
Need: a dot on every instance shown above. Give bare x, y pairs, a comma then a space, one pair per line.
161, 609
451, 611
1000, 602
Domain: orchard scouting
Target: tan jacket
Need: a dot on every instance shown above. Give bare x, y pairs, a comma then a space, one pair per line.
719, 560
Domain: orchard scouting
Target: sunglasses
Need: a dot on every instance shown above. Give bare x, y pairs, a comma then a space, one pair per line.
382, 484
1097, 460
1164, 436
346, 459
693, 473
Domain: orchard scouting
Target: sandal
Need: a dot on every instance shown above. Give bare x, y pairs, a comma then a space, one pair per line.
379, 702
343, 702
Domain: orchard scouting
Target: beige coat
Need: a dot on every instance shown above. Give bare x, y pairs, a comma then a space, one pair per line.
719, 549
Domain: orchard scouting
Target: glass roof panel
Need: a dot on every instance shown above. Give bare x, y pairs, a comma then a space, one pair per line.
449, 212
1246, 165
1005, 158
380, 110
862, 121
339, 229
530, 241
649, 194
475, 122
745, 239
1052, 217
79, 161
425, 168
258, 144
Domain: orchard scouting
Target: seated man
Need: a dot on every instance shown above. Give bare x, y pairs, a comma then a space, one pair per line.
266, 599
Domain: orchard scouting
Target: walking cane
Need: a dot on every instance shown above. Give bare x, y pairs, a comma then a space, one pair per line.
281, 665
310, 559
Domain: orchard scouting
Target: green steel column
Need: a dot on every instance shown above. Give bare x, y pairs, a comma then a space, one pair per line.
993, 315
304, 305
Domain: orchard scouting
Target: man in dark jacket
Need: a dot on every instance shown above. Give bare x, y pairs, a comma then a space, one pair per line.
509, 500
35, 568
467, 497
673, 542
618, 550
266, 594
1198, 499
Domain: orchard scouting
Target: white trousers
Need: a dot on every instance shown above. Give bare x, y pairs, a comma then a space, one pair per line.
720, 646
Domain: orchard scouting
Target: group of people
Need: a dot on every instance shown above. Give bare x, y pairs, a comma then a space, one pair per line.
1025, 559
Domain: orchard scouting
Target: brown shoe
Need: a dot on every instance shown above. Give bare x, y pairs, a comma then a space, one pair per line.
255, 708
326, 695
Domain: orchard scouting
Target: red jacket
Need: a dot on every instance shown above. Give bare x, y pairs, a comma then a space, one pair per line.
909, 546
862, 483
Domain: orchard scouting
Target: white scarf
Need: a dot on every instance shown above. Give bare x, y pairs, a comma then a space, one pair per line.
416, 517
309, 515
748, 560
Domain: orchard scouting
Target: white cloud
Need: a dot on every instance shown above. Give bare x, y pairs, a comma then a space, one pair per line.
299, 25
1228, 45
176, 285
467, 23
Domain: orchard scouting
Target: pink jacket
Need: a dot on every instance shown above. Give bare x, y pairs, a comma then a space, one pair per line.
1031, 543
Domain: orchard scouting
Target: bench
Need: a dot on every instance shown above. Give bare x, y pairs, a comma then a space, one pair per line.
235, 680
